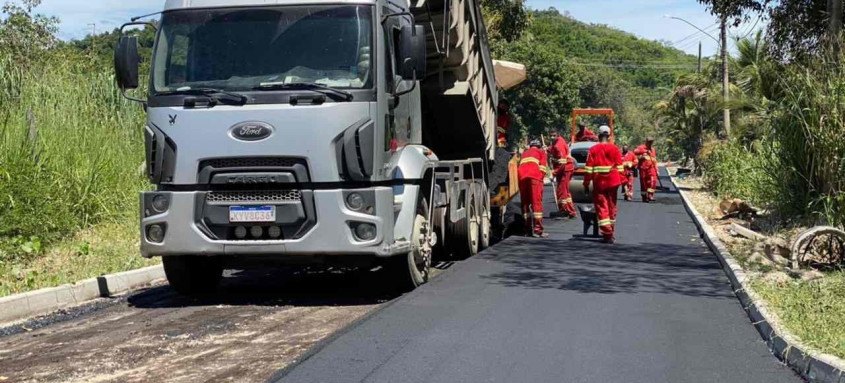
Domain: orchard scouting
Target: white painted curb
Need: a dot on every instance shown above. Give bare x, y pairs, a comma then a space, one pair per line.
811, 365
40, 302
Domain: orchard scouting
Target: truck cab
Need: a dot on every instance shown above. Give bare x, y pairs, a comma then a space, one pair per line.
293, 131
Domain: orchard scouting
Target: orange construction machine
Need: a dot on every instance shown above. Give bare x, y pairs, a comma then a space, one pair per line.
611, 119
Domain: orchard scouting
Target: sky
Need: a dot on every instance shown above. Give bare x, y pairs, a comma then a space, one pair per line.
644, 18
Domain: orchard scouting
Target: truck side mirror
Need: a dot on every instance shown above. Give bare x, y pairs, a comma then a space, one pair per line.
126, 62
413, 55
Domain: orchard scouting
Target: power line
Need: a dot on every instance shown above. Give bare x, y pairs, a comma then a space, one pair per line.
709, 29
634, 66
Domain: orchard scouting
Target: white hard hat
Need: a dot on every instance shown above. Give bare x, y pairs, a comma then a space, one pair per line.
604, 129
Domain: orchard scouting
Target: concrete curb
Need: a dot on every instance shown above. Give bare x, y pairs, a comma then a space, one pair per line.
810, 365
40, 302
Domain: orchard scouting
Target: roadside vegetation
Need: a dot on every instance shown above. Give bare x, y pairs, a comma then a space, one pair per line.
785, 153
70, 152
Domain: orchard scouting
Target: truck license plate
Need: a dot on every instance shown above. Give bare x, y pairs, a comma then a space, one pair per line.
249, 214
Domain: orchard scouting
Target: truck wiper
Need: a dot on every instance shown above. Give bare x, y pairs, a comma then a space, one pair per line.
217, 95
327, 90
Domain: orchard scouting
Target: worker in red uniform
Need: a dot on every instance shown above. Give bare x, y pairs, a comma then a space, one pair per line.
629, 160
532, 172
585, 134
605, 172
503, 122
564, 167
647, 165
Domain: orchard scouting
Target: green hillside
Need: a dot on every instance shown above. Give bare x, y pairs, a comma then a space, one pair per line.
573, 64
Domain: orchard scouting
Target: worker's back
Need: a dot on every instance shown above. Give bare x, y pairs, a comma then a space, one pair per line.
604, 166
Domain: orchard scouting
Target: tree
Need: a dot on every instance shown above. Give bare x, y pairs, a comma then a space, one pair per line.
797, 28
505, 19
735, 11
24, 35
547, 98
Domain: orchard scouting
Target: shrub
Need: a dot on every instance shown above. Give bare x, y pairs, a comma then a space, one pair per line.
733, 171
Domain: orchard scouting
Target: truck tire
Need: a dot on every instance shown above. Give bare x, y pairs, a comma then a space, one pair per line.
414, 269
485, 218
193, 275
467, 231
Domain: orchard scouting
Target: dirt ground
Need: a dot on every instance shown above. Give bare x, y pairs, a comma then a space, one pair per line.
258, 324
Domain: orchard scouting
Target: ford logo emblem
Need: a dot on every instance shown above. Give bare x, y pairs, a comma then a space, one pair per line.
251, 131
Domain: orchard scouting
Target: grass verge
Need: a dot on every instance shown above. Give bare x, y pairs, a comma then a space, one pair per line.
104, 248
813, 311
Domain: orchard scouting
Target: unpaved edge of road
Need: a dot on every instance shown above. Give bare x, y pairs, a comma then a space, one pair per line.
810, 365
22, 307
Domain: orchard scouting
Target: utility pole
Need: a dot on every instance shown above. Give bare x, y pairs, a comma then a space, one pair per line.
699, 57
93, 36
726, 85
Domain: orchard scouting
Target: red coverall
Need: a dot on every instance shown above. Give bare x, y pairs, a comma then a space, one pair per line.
630, 162
648, 171
532, 171
586, 136
564, 168
503, 122
605, 170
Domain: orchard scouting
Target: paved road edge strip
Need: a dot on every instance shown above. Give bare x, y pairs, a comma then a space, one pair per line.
811, 365
44, 301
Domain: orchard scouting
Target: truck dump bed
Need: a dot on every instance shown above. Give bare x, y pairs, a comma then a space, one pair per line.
459, 95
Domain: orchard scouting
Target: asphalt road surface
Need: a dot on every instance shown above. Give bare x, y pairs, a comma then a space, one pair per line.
655, 307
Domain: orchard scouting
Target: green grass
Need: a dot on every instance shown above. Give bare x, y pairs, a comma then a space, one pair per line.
70, 152
812, 311
103, 249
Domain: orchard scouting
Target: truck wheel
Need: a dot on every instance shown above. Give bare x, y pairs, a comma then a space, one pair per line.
485, 235
471, 228
193, 275
414, 269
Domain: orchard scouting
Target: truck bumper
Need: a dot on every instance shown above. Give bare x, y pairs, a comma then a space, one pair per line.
329, 232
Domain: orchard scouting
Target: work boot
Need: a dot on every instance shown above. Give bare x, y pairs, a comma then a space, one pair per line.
540, 235
609, 240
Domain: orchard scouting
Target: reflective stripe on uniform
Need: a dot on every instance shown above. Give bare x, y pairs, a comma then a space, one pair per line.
606, 222
502, 130
544, 169
651, 190
602, 169
529, 160
588, 169
538, 215
562, 161
621, 168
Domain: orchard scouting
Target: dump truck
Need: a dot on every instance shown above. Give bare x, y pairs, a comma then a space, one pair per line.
306, 132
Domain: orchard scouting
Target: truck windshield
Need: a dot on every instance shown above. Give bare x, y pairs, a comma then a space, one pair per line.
246, 48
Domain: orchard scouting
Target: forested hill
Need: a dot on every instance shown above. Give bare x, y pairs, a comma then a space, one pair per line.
634, 57
574, 64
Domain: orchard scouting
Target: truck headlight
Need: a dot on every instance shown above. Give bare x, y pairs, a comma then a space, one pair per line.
160, 203
355, 201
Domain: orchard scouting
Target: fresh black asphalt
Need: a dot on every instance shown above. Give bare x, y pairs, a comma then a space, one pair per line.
655, 307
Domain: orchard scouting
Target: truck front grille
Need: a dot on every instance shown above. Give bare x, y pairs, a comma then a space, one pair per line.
250, 162
254, 197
